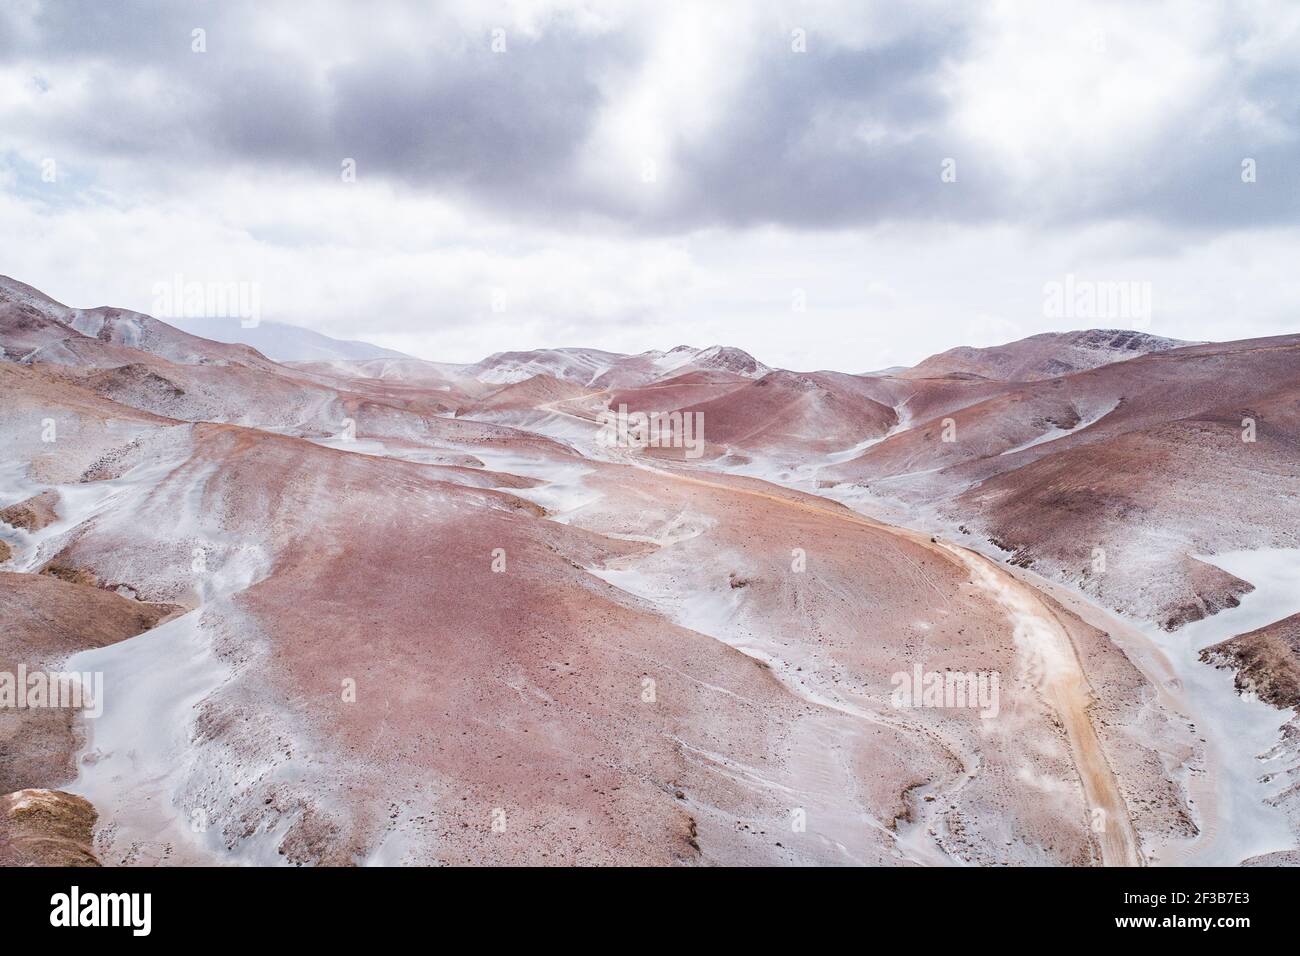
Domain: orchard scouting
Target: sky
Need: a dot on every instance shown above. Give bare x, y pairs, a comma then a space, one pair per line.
826, 185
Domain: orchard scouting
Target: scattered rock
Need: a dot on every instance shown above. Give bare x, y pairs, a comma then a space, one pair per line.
46, 828
33, 514
1266, 661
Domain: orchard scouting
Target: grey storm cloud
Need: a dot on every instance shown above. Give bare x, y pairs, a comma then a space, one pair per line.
830, 138
1194, 177
504, 128
501, 128
793, 153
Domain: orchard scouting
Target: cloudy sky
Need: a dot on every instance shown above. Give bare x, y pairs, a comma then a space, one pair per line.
828, 185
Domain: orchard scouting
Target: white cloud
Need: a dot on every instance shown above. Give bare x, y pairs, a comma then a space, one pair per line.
1059, 131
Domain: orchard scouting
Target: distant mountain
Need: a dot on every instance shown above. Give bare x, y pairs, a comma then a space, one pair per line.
598, 368
1048, 355
36, 328
1148, 460
724, 358
569, 364
283, 342
788, 413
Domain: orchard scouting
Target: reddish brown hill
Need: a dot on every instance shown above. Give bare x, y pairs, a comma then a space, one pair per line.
1048, 355
528, 394
1266, 661
790, 411
1121, 458
119, 327
46, 621
679, 391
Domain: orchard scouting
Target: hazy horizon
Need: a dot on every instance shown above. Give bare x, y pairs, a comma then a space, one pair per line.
228, 328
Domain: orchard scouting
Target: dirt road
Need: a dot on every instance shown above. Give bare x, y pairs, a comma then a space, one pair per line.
1052, 658
1039, 635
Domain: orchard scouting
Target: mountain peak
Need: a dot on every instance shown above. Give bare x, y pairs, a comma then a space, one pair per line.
1045, 355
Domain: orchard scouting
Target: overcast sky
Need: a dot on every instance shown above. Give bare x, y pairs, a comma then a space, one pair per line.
829, 185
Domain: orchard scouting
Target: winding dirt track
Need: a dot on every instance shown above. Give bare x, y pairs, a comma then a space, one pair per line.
1065, 686
1039, 634
1053, 660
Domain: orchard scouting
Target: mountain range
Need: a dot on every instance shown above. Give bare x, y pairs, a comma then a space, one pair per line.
350, 606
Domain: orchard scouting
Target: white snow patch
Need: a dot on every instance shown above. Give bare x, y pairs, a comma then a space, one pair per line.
565, 490
139, 753
1239, 731
1056, 432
